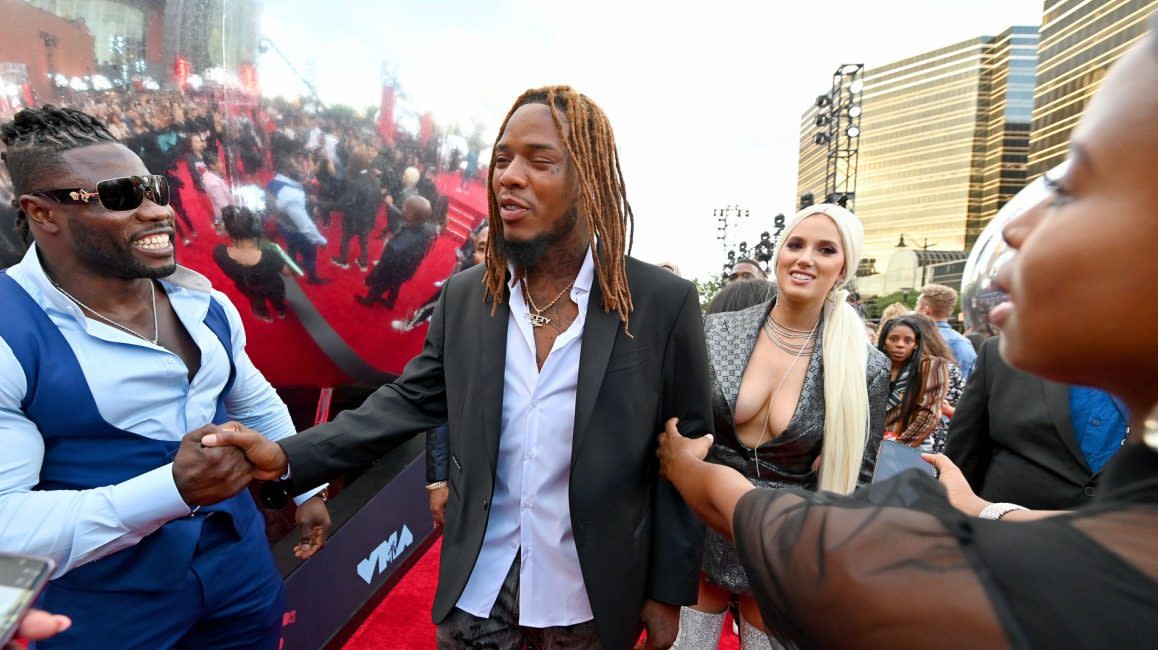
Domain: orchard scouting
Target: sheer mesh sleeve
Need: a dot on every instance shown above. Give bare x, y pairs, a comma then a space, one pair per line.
1088, 579
872, 570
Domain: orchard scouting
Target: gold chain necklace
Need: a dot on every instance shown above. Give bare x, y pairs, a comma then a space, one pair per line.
538, 319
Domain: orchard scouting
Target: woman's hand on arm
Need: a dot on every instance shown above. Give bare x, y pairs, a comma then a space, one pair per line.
711, 490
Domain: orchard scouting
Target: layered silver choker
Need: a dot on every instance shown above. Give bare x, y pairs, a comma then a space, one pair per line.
792, 341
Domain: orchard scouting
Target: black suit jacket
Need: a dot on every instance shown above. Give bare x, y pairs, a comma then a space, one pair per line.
635, 536
1012, 437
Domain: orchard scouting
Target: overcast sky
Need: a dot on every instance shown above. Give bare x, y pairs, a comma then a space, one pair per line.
705, 98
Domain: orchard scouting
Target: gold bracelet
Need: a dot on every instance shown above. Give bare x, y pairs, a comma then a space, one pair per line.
436, 486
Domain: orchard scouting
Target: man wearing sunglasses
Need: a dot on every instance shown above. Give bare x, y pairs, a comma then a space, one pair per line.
109, 353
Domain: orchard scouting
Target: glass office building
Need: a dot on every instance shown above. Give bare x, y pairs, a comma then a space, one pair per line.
1080, 40
943, 142
1009, 86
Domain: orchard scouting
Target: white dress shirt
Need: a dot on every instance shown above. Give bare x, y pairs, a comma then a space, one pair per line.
530, 509
139, 387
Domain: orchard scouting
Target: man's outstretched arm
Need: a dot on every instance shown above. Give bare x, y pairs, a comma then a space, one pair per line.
414, 403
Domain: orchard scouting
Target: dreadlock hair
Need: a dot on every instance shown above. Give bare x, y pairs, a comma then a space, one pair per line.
35, 140
591, 149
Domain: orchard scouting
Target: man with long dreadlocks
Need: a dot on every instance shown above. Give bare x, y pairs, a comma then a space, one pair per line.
109, 353
555, 363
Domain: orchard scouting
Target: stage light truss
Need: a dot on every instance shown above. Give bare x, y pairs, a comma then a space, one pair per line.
838, 130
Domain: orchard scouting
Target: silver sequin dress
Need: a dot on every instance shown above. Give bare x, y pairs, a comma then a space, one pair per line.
787, 460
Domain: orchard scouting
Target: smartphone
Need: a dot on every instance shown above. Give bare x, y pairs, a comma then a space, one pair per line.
894, 458
22, 578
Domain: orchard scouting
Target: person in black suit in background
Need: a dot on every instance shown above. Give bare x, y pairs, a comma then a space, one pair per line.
402, 255
1021, 439
554, 362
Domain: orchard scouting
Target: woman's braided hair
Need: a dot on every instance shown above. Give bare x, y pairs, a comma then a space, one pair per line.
34, 140
591, 149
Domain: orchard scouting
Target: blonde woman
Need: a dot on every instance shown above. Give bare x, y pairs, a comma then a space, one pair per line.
896, 565
798, 396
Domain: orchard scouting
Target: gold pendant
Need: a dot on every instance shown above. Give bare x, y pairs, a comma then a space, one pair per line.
538, 320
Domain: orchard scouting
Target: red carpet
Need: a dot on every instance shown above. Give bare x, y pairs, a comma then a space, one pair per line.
283, 350
402, 619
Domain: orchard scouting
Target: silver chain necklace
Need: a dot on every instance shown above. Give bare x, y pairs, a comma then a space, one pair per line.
123, 328
768, 412
787, 339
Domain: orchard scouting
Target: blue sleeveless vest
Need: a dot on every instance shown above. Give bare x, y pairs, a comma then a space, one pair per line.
82, 451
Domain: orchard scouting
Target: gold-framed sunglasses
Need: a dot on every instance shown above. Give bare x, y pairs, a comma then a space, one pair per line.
115, 194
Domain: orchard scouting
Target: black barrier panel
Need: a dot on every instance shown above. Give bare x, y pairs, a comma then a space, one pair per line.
359, 559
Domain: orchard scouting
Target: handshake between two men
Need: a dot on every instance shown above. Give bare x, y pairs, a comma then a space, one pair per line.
215, 462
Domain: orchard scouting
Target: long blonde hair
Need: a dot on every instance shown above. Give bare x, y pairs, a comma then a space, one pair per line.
846, 410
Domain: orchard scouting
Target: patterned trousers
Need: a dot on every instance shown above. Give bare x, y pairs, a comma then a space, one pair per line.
464, 631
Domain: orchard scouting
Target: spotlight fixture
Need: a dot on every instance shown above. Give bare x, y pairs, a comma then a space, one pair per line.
837, 116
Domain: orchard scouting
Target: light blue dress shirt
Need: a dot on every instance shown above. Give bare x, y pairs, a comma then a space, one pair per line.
138, 387
962, 349
291, 201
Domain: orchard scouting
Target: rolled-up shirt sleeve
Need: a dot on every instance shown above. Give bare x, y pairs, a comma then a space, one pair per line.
72, 527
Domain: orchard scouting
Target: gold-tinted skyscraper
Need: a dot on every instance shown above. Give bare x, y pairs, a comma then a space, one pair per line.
1009, 85
943, 142
1080, 40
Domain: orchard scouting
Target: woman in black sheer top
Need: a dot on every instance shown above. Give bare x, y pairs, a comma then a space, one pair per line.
897, 565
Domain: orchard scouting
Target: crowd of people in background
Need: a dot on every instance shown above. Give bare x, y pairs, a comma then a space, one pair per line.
309, 167
787, 405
